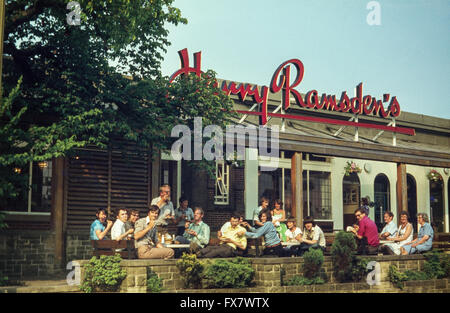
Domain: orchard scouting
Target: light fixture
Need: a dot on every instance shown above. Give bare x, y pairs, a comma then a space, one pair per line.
17, 170
42, 164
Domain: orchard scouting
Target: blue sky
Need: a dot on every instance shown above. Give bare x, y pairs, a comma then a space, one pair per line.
407, 56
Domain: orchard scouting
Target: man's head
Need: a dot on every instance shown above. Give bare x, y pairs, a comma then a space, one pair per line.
359, 214
101, 215
164, 189
234, 220
308, 222
153, 212
133, 215
198, 214
264, 202
388, 216
122, 215
184, 202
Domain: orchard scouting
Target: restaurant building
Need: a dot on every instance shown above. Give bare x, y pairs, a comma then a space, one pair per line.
331, 153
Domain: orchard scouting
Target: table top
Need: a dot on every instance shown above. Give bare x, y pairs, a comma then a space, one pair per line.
173, 245
291, 243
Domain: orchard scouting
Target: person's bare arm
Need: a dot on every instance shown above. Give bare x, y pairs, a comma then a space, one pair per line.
101, 234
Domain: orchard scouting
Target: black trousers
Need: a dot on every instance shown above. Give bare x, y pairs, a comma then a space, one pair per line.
364, 248
277, 250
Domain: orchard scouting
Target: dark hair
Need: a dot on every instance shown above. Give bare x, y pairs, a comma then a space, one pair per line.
365, 200
235, 215
278, 201
153, 208
361, 210
268, 215
116, 211
389, 213
182, 199
263, 199
133, 211
309, 219
405, 213
101, 209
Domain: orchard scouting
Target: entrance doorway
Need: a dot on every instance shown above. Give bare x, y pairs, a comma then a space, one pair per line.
351, 189
382, 198
411, 189
437, 205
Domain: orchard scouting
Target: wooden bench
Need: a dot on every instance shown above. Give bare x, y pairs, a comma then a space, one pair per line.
109, 247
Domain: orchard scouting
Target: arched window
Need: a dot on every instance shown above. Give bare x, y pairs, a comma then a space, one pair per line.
382, 198
411, 189
437, 205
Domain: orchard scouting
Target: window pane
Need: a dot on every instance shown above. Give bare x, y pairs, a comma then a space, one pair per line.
320, 195
16, 192
41, 187
269, 185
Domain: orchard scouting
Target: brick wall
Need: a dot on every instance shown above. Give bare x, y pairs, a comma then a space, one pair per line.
268, 276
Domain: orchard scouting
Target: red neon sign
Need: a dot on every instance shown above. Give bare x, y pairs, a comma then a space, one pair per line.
281, 82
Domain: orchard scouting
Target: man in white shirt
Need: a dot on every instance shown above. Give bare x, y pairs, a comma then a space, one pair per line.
390, 229
118, 230
166, 210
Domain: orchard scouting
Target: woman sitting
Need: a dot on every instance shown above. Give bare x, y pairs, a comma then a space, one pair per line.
404, 234
278, 219
271, 240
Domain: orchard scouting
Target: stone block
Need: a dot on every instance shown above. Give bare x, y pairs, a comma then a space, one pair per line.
141, 280
441, 283
344, 287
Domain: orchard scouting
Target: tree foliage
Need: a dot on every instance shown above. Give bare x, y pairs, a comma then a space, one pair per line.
97, 82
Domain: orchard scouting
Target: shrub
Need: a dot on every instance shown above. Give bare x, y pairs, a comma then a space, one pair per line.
313, 260
395, 277
234, 273
359, 269
191, 270
343, 253
154, 283
432, 267
103, 274
301, 280
3, 280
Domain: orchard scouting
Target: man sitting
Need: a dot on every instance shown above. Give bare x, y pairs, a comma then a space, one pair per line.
233, 238
293, 235
197, 233
118, 231
366, 233
313, 237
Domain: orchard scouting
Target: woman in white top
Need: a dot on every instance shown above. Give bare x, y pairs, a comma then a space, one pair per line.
404, 235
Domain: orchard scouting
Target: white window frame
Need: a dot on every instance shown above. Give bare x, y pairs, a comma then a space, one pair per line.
222, 184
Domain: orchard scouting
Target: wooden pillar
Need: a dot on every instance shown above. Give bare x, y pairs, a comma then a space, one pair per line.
57, 209
156, 169
297, 188
402, 196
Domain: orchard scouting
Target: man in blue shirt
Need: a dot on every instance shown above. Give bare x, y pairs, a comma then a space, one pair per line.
98, 230
424, 240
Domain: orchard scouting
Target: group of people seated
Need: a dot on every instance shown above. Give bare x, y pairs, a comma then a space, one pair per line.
392, 240
271, 225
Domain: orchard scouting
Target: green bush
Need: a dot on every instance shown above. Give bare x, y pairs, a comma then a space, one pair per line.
3, 280
301, 280
234, 273
433, 267
396, 277
154, 283
343, 253
103, 274
359, 269
313, 260
191, 270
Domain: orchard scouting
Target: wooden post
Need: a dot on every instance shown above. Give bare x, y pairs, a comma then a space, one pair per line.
402, 196
156, 169
297, 188
57, 212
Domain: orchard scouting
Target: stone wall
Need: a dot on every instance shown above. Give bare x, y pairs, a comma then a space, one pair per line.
269, 272
27, 254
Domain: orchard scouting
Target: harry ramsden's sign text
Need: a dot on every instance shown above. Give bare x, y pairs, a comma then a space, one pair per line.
281, 82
